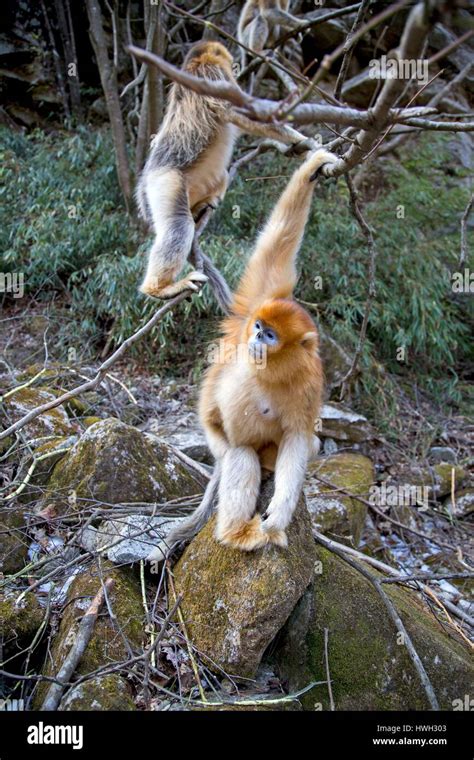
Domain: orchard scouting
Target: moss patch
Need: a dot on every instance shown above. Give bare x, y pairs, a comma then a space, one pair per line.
13, 544
18, 620
336, 514
107, 693
370, 667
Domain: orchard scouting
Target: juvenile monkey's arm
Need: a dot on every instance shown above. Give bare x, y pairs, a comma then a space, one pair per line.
271, 270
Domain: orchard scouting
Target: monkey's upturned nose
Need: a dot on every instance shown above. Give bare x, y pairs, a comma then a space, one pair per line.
259, 335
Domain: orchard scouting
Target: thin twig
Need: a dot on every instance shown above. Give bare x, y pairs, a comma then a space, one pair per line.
328, 674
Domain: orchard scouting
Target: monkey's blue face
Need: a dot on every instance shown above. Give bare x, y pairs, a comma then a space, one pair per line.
262, 338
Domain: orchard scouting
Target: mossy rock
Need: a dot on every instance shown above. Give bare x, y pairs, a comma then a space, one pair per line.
88, 421
54, 451
53, 422
369, 665
18, 621
106, 644
235, 602
108, 693
463, 504
444, 477
437, 478
115, 463
50, 373
13, 544
342, 424
337, 514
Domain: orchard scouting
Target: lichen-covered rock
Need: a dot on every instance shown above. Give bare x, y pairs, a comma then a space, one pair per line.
132, 538
107, 693
439, 454
437, 479
463, 504
18, 620
234, 602
115, 463
53, 422
106, 644
368, 661
13, 543
336, 421
332, 512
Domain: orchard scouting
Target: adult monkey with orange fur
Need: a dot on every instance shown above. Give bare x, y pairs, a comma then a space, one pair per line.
261, 21
186, 172
260, 398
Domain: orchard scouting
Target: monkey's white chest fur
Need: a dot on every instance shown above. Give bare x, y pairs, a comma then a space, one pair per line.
252, 416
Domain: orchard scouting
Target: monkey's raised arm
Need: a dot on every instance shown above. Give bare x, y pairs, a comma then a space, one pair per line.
271, 270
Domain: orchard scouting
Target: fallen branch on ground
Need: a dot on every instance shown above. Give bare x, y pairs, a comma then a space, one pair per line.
81, 640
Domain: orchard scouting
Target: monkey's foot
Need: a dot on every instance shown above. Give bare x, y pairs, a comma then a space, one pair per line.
277, 537
317, 160
193, 281
245, 536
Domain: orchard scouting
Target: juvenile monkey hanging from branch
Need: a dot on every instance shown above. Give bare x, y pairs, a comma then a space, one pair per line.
186, 173
261, 396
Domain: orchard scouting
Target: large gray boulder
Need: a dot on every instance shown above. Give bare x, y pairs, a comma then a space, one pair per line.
114, 463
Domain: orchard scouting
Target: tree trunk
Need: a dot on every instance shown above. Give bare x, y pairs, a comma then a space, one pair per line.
69, 47
142, 136
108, 79
154, 76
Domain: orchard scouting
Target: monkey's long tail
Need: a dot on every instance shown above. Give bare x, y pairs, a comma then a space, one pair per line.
218, 284
193, 524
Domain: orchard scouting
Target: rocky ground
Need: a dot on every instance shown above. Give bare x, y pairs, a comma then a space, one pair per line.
89, 488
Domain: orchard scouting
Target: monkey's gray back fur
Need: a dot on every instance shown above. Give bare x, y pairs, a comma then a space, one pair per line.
188, 127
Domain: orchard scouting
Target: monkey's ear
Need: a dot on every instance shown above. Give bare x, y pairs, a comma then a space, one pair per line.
308, 338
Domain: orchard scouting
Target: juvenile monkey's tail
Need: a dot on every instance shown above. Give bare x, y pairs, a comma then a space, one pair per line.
219, 286
193, 524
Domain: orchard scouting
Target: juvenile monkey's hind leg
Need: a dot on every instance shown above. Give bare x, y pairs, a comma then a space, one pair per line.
174, 228
237, 524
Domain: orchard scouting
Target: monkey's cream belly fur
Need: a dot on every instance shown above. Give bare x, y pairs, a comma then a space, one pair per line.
207, 179
251, 418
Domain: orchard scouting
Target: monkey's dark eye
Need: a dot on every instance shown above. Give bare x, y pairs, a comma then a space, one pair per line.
270, 336
258, 326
